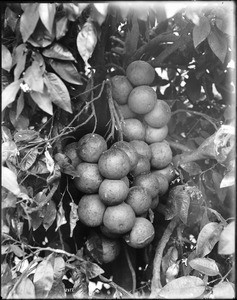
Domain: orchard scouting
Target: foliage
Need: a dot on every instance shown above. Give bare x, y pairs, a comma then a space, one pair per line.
57, 61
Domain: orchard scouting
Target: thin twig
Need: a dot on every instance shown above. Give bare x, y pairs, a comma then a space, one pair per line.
131, 269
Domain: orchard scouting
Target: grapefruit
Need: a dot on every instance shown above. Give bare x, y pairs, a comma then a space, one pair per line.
126, 111
71, 151
129, 150
133, 129
110, 249
142, 99
159, 116
140, 73
142, 148
154, 135
139, 199
149, 182
143, 166
121, 88
161, 155
113, 192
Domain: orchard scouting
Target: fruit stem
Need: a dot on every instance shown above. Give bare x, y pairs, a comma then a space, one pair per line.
131, 270
156, 280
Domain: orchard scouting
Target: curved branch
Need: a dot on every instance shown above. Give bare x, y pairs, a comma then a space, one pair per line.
131, 270
156, 280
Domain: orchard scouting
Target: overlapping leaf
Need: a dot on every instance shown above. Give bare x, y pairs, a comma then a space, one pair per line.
6, 59
58, 51
201, 30
226, 245
47, 13
34, 77
29, 19
9, 181
43, 278
9, 93
206, 266
218, 43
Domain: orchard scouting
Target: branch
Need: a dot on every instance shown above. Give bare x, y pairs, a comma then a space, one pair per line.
156, 280
131, 270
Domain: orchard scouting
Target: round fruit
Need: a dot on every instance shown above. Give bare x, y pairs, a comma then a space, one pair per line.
71, 151
91, 210
114, 164
126, 111
168, 172
89, 178
142, 148
142, 99
119, 218
121, 88
159, 116
163, 182
155, 202
154, 135
142, 233
110, 249
140, 72
90, 147
113, 192
143, 166
105, 231
149, 182
126, 180
129, 150
139, 199
161, 155
133, 129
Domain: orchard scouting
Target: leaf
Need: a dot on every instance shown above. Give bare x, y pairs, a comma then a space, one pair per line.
43, 101
49, 161
25, 136
65, 166
207, 238
185, 287
20, 104
9, 150
17, 250
132, 37
24, 290
91, 270
169, 258
43, 279
20, 123
58, 92
9, 181
61, 27
193, 88
58, 51
94, 247
223, 290
218, 44
19, 58
192, 168
86, 42
55, 176
99, 12
206, 266
172, 272
29, 159
29, 20
73, 217
228, 179
50, 214
59, 268
47, 13
201, 31
217, 178
226, 245
57, 291
9, 201
33, 77
6, 59
61, 219
11, 18
67, 71
9, 93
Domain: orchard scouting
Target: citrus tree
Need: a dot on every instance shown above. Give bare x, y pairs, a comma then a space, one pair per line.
118, 162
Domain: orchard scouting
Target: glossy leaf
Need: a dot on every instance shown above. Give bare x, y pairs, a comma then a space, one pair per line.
9, 181
99, 12
65, 165
9, 149
9, 201
86, 42
219, 44
41, 37
92, 270
43, 101
223, 290
207, 238
58, 51
226, 245
43, 278
20, 104
19, 58
34, 77
58, 92
25, 289
185, 287
49, 161
25, 136
72, 10
192, 168
228, 179
206, 266
172, 272
61, 219
6, 59
50, 214
73, 217
217, 178
131, 40
47, 13
57, 291
59, 268
61, 27
9, 93
17, 250
20, 123
29, 159
11, 18
29, 19
201, 31
67, 71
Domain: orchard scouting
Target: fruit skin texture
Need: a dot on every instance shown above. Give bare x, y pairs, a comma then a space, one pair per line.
142, 99
141, 235
129, 150
126, 111
163, 182
168, 172
143, 166
89, 178
90, 147
159, 116
114, 164
71, 151
110, 249
149, 182
113, 192
142, 148
161, 155
139, 199
154, 135
133, 129
91, 210
121, 88
119, 218
140, 73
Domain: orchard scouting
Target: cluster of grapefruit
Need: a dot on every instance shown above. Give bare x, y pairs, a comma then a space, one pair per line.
122, 183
